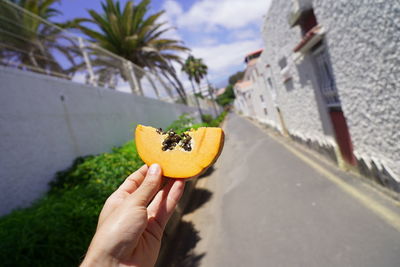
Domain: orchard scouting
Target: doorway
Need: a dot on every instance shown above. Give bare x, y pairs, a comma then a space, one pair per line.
330, 97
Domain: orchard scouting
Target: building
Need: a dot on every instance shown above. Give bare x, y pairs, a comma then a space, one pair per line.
329, 76
246, 89
220, 91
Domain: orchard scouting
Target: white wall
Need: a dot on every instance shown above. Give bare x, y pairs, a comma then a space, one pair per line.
45, 123
364, 44
271, 118
296, 98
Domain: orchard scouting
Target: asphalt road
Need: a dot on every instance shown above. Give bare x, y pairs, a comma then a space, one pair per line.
264, 206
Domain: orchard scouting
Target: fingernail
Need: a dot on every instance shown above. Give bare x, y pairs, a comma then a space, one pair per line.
154, 169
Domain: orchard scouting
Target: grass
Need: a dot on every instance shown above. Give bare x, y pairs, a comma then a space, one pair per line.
56, 229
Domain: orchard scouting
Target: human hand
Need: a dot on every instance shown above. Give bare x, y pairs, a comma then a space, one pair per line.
132, 222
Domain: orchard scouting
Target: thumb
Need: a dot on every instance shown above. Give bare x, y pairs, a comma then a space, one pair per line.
149, 187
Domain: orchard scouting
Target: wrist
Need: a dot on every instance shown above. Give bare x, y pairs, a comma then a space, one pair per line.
95, 257
92, 260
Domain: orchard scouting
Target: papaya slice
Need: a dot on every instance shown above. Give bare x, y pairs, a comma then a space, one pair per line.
180, 155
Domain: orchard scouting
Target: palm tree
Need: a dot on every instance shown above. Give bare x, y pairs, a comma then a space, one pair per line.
135, 35
28, 41
195, 70
200, 72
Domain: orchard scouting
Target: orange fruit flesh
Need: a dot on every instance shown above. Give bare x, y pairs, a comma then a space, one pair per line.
206, 143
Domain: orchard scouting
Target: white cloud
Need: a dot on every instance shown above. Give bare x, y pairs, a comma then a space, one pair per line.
172, 8
230, 14
172, 33
209, 41
245, 34
221, 32
223, 56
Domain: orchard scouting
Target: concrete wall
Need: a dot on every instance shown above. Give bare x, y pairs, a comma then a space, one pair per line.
364, 43
45, 123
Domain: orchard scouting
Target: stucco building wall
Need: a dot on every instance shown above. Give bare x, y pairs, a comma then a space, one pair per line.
258, 97
260, 92
363, 42
363, 38
296, 98
45, 123
266, 83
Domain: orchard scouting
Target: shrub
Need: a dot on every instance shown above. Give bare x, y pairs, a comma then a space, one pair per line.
182, 124
227, 97
206, 118
56, 230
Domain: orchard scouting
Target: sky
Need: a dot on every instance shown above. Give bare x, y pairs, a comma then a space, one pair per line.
221, 32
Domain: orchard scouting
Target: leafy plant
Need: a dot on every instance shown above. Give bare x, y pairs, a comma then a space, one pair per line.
27, 41
227, 97
234, 78
56, 229
183, 123
199, 95
133, 33
195, 70
207, 118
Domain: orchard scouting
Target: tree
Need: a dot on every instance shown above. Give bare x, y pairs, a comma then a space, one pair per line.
28, 41
195, 70
234, 78
135, 35
229, 95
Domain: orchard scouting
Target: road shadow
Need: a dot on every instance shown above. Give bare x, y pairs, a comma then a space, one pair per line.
180, 248
198, 198
181, 252
208, 172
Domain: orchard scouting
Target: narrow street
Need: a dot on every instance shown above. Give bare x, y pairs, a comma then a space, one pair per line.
263, 205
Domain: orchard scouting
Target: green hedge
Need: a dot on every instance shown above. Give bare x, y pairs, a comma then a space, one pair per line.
56, 230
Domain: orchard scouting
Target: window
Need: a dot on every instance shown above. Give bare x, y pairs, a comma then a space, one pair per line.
261, 98
308, 21
325, 76
265, 111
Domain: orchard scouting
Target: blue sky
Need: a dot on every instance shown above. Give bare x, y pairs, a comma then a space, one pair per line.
221, 32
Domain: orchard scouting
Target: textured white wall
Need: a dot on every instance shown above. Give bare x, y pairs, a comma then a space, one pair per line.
363, 40
254, 106
41, 134
297, 98
258, 90
268, 91
364, 43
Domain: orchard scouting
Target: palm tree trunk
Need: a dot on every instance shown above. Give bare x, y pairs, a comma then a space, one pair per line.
166, 87
212, 96
197, 100
181, 94
179, 85
150, 78
138, 76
